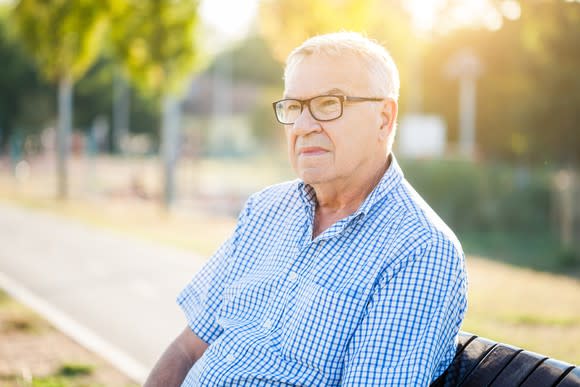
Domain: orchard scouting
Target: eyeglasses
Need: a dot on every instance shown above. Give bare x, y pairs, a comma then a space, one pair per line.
322, 107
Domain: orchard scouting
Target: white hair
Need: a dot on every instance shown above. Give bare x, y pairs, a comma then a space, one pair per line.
383, 73
377, 60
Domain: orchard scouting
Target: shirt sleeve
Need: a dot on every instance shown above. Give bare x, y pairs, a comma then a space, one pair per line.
407, 336
201, 299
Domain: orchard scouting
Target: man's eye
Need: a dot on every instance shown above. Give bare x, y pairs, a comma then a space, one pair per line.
328, 103
293, 107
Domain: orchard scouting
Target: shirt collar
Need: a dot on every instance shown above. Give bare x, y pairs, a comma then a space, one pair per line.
388, 182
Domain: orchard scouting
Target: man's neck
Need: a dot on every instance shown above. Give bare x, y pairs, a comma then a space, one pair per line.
337, 201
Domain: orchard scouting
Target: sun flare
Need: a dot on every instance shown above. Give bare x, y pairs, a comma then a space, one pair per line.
430, 15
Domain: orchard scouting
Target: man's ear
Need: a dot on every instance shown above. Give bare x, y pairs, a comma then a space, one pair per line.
388, 117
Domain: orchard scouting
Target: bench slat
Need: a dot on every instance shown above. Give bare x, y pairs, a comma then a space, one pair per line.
546, 374
572, 379
518, 369
461, 366
490, 366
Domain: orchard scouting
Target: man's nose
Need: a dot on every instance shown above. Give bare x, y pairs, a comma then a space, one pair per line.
305, 123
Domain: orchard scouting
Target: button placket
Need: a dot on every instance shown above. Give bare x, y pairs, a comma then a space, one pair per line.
267, 324
293, 276
230, 357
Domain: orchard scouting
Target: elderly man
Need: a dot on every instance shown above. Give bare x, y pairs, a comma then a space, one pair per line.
344, 276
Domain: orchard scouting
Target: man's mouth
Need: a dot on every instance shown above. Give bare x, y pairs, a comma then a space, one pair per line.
311, 151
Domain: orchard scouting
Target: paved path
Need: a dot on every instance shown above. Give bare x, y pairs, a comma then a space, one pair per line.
115, 293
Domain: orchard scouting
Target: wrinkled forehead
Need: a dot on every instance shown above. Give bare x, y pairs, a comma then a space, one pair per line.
312, 74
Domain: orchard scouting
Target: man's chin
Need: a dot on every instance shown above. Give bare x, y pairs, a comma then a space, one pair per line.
313, 176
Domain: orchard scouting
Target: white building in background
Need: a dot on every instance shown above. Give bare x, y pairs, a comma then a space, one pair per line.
421, 136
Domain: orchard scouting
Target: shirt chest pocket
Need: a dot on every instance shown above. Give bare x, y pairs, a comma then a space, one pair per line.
245, 300
319, 327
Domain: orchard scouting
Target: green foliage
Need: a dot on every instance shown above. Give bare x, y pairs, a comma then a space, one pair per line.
155, 41
251, 61
529, 92
471, 197
64, 37
568, 257
94, 97
551, 34
498, 211
25, 99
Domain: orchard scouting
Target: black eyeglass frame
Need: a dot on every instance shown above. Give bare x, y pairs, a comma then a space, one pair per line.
342, 99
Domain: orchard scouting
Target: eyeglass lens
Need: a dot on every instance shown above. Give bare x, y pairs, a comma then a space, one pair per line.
322, 108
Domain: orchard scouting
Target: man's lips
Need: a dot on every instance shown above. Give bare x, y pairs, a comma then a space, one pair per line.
311, 151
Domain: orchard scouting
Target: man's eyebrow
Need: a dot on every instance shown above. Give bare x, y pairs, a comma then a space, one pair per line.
336, 91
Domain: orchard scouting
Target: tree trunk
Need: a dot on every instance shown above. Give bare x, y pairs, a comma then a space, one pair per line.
65, 87
169, 145
121, 110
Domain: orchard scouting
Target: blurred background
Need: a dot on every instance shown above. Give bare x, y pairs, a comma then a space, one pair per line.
153, 119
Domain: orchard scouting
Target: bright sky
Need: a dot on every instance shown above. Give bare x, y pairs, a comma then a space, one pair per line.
231, 19
464, 13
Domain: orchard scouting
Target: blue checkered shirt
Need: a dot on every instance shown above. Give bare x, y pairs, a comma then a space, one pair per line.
377, 299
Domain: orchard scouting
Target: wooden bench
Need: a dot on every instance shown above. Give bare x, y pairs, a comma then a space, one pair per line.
482, 362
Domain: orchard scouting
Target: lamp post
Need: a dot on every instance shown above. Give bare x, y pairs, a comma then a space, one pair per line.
466, 67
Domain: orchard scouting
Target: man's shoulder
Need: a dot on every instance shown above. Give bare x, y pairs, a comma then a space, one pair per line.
425, 222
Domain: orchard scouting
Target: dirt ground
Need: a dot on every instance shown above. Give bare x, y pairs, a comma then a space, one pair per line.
33, 353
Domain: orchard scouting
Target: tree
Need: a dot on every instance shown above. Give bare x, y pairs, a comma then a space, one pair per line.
529, 93
93, 96
24, 97
64, 38
155, 42
287, 23
251, 60
550, 35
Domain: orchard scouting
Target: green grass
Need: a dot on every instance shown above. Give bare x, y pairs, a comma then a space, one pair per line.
4, 298
75, 369
50, 381
17, 318
538, 311
540, 320
538, 251
68, 375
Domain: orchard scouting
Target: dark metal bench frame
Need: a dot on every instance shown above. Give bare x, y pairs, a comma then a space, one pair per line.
482, 362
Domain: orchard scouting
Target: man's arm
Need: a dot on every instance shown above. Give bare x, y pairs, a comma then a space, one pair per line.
177, 360
407, 336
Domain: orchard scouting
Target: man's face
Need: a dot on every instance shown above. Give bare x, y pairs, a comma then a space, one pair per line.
334, 151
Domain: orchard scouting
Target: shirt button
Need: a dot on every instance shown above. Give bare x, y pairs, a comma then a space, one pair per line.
267, 324
230, 357
293, 276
